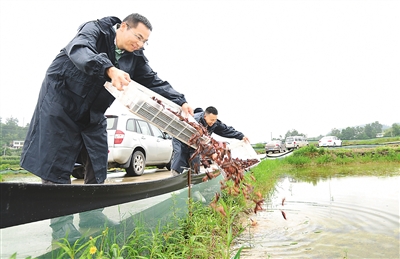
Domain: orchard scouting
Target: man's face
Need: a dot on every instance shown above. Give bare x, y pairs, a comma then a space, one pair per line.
210, 119
131, 39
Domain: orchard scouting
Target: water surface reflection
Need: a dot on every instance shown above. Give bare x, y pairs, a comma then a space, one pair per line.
348, 217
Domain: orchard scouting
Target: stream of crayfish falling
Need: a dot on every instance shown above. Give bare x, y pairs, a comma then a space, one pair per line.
233, 168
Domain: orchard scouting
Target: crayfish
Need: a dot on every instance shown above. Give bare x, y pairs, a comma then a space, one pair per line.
210, 149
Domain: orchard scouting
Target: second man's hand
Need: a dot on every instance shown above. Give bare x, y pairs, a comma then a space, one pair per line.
119, 78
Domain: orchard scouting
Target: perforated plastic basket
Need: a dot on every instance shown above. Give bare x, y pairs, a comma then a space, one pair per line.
139, 101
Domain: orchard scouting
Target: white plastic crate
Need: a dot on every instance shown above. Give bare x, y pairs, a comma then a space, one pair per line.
139, 101
243, 150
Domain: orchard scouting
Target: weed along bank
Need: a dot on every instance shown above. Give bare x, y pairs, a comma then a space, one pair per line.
110, 205
145, 207
207, 219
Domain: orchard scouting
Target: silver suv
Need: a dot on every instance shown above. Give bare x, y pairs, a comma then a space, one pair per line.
134, 144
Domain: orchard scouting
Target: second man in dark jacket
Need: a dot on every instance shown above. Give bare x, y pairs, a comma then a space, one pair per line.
209, 119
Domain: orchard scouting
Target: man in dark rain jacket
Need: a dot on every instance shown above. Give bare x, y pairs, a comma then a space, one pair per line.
68, 123
209, 119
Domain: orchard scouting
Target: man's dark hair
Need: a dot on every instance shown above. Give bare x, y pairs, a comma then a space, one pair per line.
212, 109
135, 18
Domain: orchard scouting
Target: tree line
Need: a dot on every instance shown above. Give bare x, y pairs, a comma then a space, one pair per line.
368, 131
10, 131
358, 132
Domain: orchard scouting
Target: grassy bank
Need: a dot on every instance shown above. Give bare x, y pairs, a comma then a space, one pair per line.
321, 158
374, 141
314, 163
208, 231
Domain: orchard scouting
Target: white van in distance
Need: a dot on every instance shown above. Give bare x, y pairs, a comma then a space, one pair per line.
293, 142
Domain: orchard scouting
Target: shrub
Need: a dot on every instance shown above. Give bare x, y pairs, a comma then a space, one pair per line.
297, 160
343, 153
324, 159
309, 151
10, 160
343, 160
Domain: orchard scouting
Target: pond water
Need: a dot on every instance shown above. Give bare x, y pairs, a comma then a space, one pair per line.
348, 217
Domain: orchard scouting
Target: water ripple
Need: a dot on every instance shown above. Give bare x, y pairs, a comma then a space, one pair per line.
354, 217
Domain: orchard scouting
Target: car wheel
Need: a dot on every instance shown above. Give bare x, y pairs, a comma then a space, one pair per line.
137, 164
78, 172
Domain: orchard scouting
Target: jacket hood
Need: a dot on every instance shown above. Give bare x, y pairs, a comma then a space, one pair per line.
107, 22
103, 23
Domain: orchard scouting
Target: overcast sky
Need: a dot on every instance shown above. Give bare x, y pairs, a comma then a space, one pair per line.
267, 66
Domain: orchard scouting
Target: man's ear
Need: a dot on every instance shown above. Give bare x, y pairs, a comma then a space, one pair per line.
123, 25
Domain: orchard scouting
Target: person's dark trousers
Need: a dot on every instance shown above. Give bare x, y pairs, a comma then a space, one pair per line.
63, 226
181, 155
93, 218
85, 161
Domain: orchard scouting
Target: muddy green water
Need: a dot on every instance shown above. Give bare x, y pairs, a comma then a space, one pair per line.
349, 217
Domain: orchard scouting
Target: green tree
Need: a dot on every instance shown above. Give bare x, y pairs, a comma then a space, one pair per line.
348, 133
293, 132
335, 132
369, 131
396, 129
372, 129
359, 133
10, 131
376, 127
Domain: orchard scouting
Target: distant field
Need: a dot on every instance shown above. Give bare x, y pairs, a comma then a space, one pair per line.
259, 148
374, 141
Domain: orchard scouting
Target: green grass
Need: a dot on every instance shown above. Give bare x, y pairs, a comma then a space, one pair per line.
374, 141
205, 232
312, 156
313, 163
